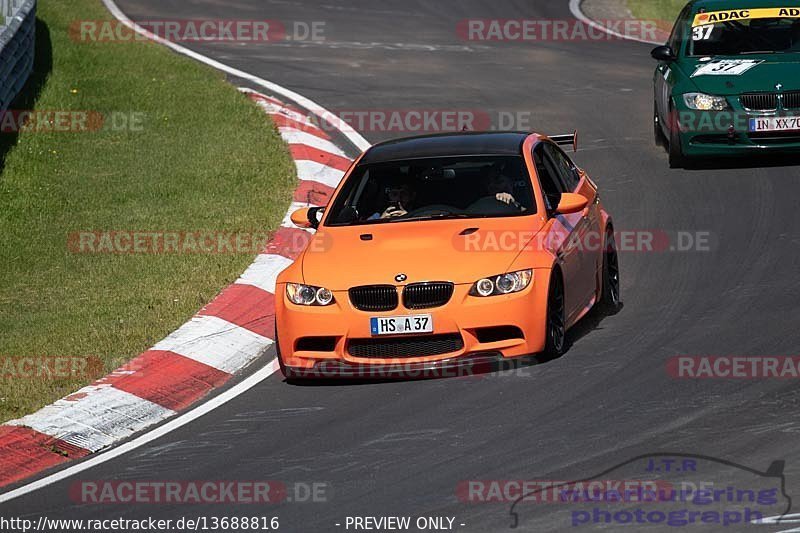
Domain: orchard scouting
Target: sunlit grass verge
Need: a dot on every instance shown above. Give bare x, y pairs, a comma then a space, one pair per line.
660, 10
199, 156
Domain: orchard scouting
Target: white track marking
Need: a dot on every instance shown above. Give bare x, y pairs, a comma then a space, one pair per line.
295, 136
148, 437
216, 343
313, 171
276, 108
575, 8
792, 518
347, 130
95, 417
377, 45
264, 271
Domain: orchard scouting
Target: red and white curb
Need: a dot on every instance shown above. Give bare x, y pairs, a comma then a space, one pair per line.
221, 339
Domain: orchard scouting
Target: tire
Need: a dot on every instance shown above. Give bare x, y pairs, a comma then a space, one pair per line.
284, 370
658, 133
610, 297
555, 325
676, 157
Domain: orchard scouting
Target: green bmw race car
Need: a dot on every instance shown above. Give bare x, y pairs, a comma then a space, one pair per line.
728, 80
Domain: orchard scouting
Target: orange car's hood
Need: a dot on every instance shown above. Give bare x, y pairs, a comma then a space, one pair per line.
340, 257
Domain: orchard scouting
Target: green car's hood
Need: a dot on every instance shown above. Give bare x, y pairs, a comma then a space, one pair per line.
774, 69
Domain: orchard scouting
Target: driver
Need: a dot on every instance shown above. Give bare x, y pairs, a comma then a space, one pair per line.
500, 186
400, 198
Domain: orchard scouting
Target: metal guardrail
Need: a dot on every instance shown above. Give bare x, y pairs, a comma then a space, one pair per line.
17, 36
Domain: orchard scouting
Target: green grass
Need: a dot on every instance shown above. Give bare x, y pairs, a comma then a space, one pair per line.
205, 159
662, 10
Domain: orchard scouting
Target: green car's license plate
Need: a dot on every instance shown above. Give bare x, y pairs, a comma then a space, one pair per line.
775, 124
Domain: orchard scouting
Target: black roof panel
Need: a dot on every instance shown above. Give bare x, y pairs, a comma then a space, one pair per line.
447, 144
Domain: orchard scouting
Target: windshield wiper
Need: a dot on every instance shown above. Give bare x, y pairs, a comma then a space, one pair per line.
439, 216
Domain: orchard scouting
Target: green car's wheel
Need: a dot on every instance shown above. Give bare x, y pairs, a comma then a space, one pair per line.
658, 134
676, 157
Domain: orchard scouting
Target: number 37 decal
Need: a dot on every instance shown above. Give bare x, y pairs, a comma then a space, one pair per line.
702, 33
726, 67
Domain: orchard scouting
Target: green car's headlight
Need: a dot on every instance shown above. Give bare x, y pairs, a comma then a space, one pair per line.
503, 283
308, 294
705, 102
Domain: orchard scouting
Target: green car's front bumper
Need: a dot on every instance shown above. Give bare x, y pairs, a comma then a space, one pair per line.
726, 133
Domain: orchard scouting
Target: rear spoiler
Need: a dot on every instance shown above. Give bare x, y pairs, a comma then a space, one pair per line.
569, 138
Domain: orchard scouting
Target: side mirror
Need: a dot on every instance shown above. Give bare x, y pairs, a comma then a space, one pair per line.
571, 203
307, 217
663, 53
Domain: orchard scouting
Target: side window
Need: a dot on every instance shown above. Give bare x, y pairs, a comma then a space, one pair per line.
676, 37
551, 185
565, 170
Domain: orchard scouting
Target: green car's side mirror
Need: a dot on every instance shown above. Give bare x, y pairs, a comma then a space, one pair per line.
663, 53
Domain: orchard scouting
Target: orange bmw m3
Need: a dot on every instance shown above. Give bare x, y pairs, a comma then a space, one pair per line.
442, 250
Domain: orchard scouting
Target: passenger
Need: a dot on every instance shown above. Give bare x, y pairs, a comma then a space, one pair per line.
501, 187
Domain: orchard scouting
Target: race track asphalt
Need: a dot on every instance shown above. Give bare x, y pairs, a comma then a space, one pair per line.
403, 447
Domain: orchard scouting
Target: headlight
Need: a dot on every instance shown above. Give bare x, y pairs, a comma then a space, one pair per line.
705, 102
308, 294
503, 283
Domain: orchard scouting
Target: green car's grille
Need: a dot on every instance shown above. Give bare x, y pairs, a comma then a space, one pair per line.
759, 101
769, 101
791, 100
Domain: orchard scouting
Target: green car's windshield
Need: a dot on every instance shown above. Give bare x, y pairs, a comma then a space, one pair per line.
743, 36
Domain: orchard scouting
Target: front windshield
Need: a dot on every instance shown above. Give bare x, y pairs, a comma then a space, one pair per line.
434, 188
741, 32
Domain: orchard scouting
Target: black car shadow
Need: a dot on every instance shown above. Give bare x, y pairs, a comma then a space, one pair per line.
742, 162
583, 327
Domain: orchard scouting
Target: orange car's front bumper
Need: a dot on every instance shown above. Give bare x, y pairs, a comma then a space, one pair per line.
479, 322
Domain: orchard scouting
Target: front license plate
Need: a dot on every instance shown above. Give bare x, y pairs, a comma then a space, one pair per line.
399, 325
775, 124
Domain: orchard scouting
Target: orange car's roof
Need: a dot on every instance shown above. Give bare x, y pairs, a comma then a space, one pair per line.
447, 145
